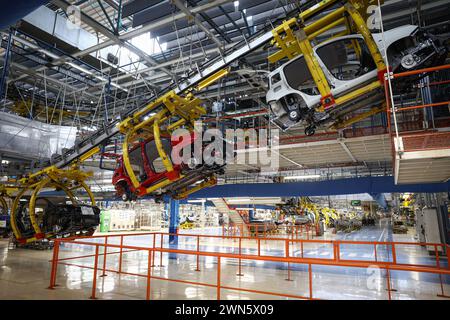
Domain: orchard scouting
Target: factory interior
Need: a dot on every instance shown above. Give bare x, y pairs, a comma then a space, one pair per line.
225, 150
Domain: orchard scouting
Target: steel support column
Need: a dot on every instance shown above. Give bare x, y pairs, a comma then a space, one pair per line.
6, 65
251, 215
174, 220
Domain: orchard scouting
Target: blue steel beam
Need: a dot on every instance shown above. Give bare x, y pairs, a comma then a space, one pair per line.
13, 11
370, 185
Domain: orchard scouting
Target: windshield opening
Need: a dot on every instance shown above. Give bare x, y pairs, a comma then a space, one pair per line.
299, 78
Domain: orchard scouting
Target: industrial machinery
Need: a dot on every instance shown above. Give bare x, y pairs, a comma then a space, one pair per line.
432, 220
322, 84
330, 216
259, 227
6, 193
398, 227
35, 218
292, 207
404, 217
4, 218
348, 223
368, 220
55, 218
187, 224
433, 226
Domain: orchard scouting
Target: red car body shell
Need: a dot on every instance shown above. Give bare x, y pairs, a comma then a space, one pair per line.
121, 177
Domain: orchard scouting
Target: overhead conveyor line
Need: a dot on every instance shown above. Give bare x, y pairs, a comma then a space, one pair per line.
177, 107
293, 39
194, 81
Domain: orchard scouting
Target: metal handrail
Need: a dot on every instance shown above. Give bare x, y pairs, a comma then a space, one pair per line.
336, 259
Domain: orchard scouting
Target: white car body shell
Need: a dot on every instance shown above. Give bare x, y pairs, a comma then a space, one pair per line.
281, 88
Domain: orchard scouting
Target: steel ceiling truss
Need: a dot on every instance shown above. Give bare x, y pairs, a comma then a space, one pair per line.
183, 86
208, 71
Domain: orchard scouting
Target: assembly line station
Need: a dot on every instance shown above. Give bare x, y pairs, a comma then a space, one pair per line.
225, 150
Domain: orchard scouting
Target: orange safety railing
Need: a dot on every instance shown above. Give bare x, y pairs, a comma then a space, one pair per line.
426, 141
293, 250
395, 107
427, 138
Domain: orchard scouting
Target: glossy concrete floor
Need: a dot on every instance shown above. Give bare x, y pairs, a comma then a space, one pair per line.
24, 274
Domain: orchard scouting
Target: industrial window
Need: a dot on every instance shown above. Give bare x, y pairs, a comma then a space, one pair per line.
276, 78
347, 59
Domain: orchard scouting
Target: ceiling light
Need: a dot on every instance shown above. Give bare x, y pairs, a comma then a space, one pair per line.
197, 201
313, 176
239, 200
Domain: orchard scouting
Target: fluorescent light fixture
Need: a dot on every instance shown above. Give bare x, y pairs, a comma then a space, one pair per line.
239, 200
312, 176
250, 22
86, 128
268, 173
197, 201
73, 65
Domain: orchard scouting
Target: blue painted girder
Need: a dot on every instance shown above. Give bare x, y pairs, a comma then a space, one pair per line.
370, 185
13, 11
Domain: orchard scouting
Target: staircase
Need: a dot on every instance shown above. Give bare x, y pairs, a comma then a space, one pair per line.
234, 216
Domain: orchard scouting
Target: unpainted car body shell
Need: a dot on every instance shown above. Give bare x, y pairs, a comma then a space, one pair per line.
281, 88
